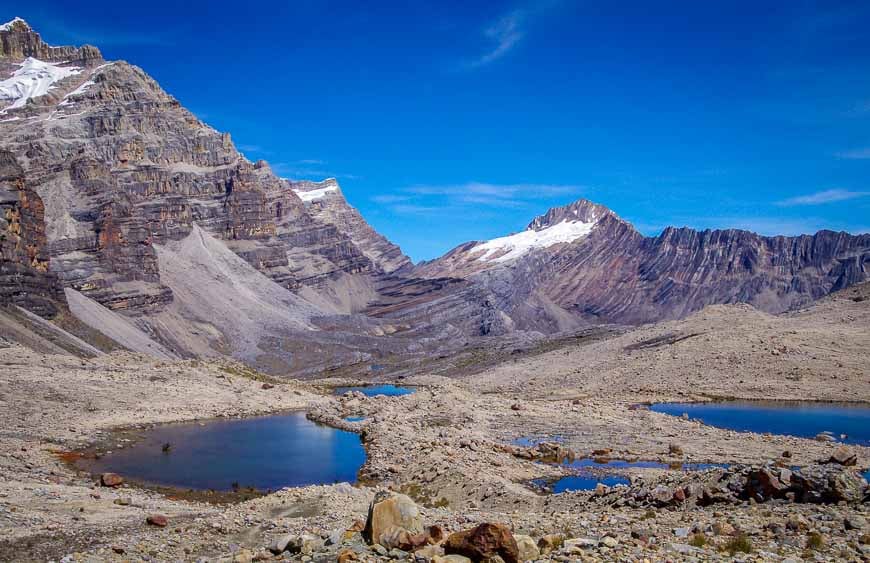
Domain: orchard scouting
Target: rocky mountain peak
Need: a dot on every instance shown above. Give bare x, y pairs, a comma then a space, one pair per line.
582, 210
19, 41
16, 25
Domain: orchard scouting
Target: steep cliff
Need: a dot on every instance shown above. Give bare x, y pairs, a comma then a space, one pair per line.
324, 201
25, 277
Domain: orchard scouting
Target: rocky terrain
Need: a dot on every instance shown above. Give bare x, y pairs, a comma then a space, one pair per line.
450, 450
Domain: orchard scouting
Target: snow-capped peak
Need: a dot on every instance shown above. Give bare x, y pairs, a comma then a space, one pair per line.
504, 249
35, 78
10, 24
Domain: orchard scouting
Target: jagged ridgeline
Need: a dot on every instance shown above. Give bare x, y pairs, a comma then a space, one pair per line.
124, 211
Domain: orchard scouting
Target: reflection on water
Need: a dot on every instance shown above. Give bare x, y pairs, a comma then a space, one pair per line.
388, 390
265, 453
849, 423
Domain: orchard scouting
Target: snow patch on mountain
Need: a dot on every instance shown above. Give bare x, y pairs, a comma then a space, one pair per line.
35, 78
504, 249
312, 195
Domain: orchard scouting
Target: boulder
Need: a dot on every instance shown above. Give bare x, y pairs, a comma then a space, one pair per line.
484, 542
528, 549
843, 456
111, 480
280, 544
389, 515
550, 542
675, 450
828, 484
764, 483
451, 559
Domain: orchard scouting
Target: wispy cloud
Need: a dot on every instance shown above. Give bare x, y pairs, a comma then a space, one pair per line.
503, 36
478, 195
826, 196
856, 154
253, 149
307, 169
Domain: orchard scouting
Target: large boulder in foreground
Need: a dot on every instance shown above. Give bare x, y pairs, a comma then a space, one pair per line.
484, 542
394, 521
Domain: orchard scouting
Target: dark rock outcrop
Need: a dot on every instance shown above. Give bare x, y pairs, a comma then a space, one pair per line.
25, 277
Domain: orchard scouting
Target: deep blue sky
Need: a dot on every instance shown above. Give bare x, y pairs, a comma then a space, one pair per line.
452, 121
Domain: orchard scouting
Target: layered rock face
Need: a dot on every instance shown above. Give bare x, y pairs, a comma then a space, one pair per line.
611, 273
324, 201
122, 167
25, 278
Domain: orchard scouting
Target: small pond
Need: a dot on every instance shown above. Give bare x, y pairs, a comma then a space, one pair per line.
802, 419
266, 453
593, 471
388, 390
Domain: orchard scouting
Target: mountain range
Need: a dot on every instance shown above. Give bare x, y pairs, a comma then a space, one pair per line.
127, 222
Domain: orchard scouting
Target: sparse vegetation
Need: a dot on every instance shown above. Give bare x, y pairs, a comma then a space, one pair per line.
815, 541
698, 540
739, 544
648, 515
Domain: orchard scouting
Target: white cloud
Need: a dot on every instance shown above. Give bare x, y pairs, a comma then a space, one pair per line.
826, 196
504, 35
477, 195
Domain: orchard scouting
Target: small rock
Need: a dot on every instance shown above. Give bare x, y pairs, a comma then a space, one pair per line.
158, 520
111, 480
682, 532
855, 522
609, 541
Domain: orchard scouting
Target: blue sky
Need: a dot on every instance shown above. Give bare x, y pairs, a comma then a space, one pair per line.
453, 121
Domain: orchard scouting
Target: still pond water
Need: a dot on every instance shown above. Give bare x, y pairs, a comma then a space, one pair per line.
804, 420
266, 453
388, 390
592, 472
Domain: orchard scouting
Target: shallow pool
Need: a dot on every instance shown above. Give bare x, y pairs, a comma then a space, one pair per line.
265, 453
388, 390
791, 418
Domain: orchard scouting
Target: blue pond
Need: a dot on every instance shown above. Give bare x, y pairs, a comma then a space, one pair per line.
388, 390
354, 418
791, 418
587, 480
265, 453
